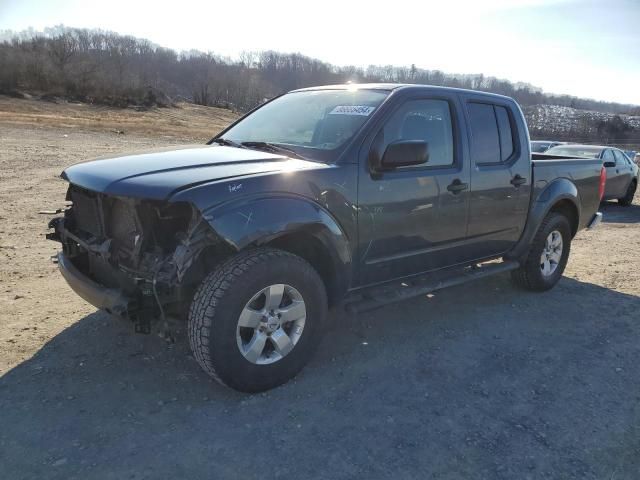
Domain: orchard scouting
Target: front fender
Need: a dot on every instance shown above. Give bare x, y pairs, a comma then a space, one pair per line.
260, 220
544, 200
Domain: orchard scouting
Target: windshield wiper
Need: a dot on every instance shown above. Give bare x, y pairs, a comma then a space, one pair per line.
272, 147
228, 143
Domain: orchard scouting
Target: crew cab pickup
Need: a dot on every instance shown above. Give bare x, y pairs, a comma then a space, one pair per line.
353, 195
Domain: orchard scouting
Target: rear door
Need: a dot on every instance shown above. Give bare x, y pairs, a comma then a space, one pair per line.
414, 219
500, 176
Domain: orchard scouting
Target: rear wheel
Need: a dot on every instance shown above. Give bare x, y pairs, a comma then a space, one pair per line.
547, 256
628, 197
255, 321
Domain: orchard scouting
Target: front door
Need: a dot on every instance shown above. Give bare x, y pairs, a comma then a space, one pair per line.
624, 172
613, 186
414, 219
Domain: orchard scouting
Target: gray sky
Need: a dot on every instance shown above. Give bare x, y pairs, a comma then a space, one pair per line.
587, 48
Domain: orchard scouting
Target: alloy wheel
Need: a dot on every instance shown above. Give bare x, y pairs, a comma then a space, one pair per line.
271, 324
551, 253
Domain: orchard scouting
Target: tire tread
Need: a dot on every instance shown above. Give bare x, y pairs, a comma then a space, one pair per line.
627, 200
522, 276
212, 289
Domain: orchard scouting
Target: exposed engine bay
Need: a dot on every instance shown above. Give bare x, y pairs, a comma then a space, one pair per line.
143, 248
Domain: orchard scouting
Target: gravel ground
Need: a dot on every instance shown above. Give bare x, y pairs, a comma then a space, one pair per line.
479, 381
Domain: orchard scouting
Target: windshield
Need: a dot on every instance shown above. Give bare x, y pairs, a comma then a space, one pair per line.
578, 151
539, 147
315, 123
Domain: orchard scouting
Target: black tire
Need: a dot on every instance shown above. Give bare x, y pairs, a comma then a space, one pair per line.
529, 276
221, 297
628, 197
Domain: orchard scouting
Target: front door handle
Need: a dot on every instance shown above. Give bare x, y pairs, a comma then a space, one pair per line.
457, 186
518, 180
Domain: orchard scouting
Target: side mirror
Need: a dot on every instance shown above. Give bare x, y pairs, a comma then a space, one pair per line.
609, 164
403, 153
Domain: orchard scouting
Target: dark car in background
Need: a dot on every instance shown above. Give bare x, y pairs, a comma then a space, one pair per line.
541, 146
622, 173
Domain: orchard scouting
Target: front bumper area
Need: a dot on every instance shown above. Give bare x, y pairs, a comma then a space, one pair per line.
108, 299
595, 221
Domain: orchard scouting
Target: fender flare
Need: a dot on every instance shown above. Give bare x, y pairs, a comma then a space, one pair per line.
558, 190
258, 221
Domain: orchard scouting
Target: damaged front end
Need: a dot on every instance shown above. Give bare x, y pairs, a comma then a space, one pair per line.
133, 258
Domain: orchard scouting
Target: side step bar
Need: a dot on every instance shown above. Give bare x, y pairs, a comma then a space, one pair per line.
379, 296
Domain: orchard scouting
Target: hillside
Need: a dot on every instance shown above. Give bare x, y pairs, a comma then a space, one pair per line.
108, 68
571, 124
184, 121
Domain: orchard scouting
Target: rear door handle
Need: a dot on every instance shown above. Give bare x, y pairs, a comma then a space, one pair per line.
457, 186
518, 180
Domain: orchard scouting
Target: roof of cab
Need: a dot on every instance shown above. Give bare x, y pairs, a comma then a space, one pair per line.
348, 86
398, 86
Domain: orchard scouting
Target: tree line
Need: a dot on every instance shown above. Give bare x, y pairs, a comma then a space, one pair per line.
107, 68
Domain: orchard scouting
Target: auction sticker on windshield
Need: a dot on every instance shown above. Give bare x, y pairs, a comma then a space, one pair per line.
352, 110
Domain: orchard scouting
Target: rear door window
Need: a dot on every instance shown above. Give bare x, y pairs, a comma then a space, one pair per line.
492, 138
485, 139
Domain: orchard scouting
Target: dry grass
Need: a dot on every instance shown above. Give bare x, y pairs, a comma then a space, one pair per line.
185, 121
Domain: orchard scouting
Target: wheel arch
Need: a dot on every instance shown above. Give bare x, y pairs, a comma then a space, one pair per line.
560, 196
296, 225
317, 254
569, 209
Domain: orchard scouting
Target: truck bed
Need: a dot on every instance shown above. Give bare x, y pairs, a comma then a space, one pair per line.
583, 172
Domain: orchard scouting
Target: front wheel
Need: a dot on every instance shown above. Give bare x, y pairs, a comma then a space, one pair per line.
628, 197
255, 321
547, 256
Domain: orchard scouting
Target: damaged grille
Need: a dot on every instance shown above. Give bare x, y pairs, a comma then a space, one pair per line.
123, 227
123, 230
97, 218
87, 212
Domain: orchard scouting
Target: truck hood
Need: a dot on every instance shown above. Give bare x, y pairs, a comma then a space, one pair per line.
160, 174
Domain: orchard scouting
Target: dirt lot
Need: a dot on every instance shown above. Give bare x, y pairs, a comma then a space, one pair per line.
479, 381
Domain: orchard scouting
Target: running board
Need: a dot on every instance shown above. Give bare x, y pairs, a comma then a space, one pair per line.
379, 296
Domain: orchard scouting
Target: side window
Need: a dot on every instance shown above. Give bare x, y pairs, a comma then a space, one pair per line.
428, 120
491, 134
608, 156
504, 129
485, 143
619, 158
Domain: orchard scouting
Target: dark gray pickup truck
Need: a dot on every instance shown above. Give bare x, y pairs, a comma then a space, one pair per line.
357, 195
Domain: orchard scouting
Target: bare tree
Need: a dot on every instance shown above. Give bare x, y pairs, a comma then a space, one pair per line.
108, 68
61, 49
